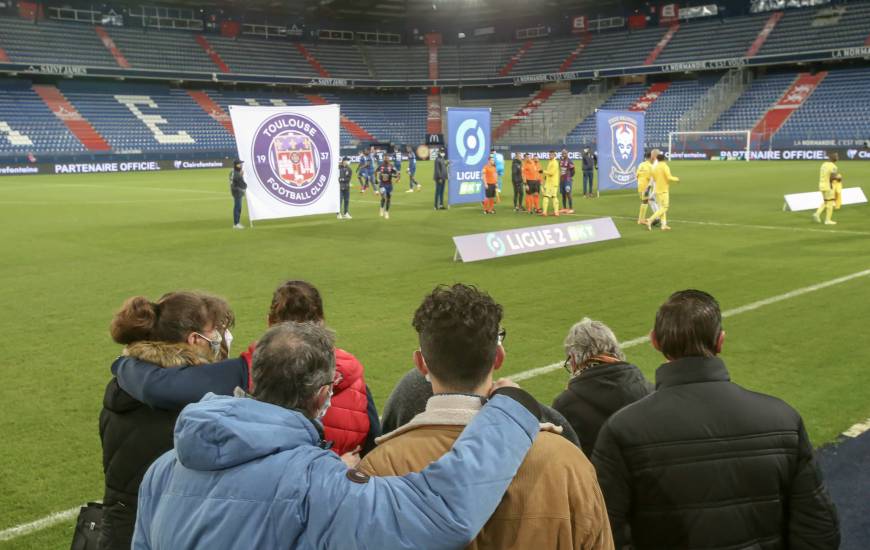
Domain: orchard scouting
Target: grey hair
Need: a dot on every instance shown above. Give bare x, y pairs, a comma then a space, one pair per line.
291, 362
588, 338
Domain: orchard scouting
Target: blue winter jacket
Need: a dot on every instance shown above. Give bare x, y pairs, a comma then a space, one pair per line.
246, 474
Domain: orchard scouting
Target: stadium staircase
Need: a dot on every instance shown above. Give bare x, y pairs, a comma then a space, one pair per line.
363, 51
352, 127
650, 96
506, 70
312, 60
575, 53
790, 101
765, 31
212, 109
74, 121
113, 49
523, 113
212, 54
662, 44
718, 99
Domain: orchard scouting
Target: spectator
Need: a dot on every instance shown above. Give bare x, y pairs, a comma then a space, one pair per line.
252, 473
351, 423
181, 328
602, 382
554, 500
703, 462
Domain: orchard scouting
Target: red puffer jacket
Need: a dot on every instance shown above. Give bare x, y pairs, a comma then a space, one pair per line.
346, 423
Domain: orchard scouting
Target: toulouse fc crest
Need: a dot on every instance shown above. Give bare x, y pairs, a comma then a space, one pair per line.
623, 147
292, 158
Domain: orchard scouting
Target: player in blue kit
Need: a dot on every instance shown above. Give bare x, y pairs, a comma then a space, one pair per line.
362, 172
412, 170
385, 176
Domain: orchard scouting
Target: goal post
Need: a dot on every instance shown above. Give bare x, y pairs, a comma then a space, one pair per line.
720, 144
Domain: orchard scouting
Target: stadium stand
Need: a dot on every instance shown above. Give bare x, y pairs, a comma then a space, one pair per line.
272, 56
399, 62
662, 113
143, 117
837, 108
36, 129
755, 101
152, 49
52, 42
716, 38
628, 49
841, 26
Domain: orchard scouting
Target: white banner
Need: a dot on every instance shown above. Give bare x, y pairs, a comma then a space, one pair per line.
291, 157
812, 200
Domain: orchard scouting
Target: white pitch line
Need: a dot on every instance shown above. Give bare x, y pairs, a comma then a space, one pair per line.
857, 429
38, 525
525, 375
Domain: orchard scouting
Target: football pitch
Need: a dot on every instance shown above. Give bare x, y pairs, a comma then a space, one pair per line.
74, 247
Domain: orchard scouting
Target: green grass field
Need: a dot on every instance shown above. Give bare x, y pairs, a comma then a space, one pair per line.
74, 247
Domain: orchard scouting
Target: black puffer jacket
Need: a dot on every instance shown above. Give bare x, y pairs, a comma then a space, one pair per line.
704, 463
595, 394
134, 435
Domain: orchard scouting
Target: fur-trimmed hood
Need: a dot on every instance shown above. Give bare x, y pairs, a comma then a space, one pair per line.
167, 354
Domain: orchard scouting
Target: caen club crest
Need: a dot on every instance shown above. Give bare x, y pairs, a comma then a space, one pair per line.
292, 159
623, 147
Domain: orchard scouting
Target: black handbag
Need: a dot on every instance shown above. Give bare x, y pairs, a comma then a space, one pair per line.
87, 533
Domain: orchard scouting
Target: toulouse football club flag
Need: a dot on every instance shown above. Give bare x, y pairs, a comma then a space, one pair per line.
291, 157
620, 148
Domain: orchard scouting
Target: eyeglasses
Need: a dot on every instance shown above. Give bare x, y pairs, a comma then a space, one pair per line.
502, 334
215, 344
567, 365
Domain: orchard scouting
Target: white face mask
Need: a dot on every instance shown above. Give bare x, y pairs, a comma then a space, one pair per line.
428, 378
322, 412
228, 338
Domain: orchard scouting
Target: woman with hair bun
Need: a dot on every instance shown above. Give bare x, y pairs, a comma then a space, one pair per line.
351, 422
179, 329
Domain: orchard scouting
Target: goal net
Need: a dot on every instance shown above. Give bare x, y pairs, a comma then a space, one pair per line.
724, 145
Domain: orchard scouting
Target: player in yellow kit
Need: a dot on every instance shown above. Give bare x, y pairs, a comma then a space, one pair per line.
828, 175
644, 174
662, 176
551, 185
838, 190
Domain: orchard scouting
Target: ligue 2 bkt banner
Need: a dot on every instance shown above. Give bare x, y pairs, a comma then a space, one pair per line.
468, 145
291, 157
620, 148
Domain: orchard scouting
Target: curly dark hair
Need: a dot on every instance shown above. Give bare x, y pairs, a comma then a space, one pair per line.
296, 301
458, 329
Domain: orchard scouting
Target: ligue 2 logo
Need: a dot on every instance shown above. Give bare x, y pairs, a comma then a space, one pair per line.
470, 142
292, 158
495, 244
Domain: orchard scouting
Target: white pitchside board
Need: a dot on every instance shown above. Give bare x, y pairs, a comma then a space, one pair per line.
813, 200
